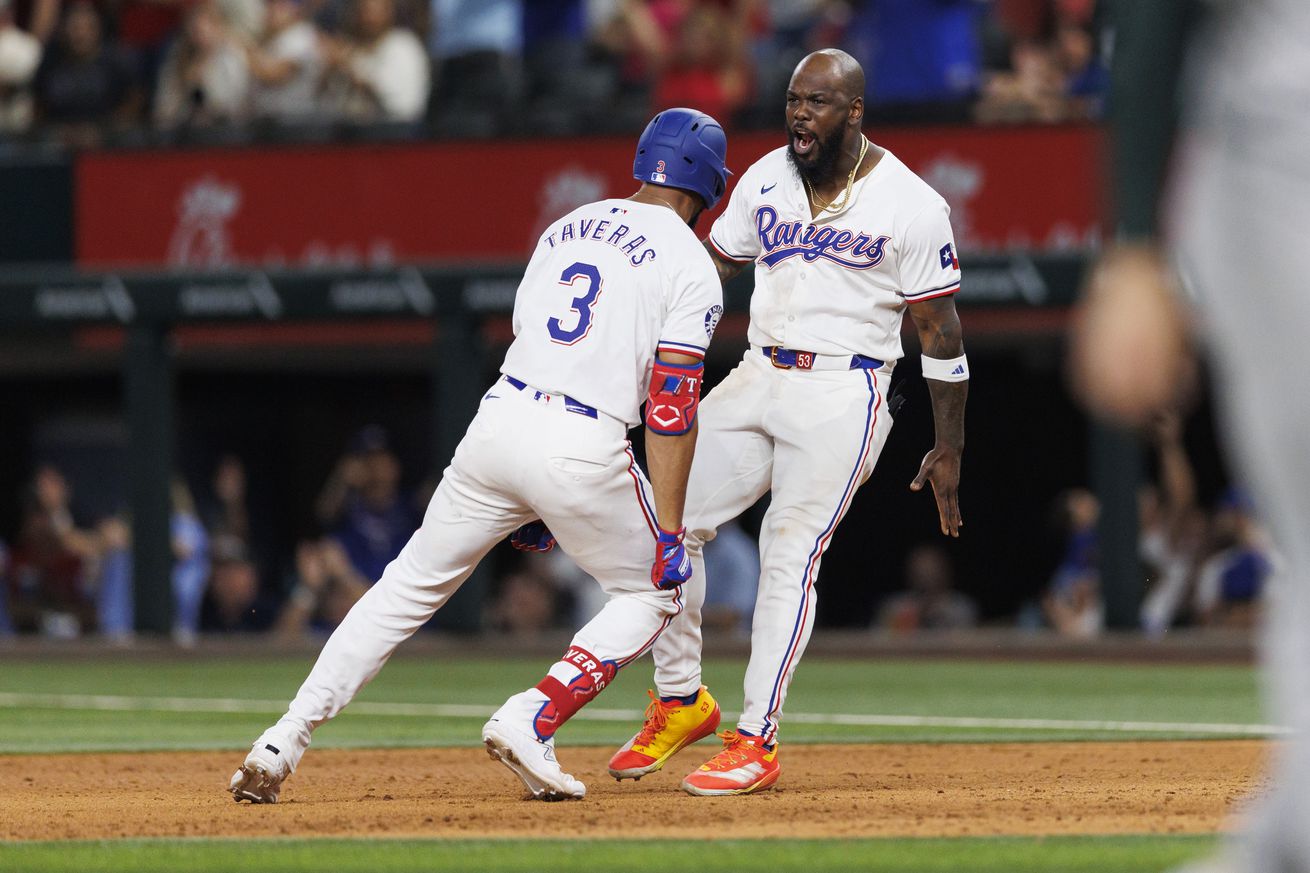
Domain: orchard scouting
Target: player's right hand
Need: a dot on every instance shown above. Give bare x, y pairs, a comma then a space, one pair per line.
533, 537
672, 565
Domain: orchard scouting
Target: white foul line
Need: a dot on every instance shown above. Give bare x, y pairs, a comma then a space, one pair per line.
117, 703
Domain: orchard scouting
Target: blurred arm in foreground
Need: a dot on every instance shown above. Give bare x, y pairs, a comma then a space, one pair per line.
1130, 349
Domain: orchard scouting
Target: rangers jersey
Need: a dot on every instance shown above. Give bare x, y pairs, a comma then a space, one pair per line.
838, 284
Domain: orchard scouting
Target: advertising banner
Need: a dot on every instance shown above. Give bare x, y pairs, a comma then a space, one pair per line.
1033, 189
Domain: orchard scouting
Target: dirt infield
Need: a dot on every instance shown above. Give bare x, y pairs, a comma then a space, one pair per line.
825, 791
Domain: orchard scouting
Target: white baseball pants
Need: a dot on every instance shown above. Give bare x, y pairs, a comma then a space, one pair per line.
523, 457
810, 437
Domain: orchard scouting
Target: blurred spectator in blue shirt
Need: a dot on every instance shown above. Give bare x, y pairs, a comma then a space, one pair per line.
114, 600
732, 564
462, 28
115, 595
362, 505
1231, 582
476, 45
191, 565
555, 47
1072, 603
1087, 80
918, 51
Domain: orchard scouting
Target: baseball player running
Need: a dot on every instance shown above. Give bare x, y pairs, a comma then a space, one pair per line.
845, 239
618, 296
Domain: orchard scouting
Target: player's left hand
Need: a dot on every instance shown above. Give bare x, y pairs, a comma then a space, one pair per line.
672, 565
897, 398
941, 467
533, 537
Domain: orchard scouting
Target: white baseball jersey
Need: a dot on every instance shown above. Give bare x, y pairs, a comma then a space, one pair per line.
838, 283
608, 285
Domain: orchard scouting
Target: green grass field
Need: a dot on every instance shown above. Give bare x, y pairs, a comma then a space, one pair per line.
1064, 854
124, 702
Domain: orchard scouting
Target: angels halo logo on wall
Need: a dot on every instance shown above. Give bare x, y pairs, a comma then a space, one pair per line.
562, 192
712, 320
201, 238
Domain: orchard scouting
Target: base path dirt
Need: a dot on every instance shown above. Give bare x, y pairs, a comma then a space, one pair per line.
825, 791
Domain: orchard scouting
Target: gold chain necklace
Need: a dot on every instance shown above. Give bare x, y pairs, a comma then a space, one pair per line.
834, 206
665, 202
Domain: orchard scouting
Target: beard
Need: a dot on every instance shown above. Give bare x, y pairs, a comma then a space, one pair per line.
821, 166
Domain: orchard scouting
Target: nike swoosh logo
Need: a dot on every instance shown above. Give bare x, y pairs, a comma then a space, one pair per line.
764, 190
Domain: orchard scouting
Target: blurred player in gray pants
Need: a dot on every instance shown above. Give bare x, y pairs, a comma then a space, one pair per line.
1236, 216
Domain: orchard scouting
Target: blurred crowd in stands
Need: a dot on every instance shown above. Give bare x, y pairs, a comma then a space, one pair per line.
86, 72
63, 577
1203, 566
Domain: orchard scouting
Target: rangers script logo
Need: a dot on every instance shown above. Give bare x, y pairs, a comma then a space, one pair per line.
787, 239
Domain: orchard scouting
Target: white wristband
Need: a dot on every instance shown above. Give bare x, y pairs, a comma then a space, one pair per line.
945, 370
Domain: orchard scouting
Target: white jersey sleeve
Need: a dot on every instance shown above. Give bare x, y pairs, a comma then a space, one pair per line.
927, 261
695, 307
734, 235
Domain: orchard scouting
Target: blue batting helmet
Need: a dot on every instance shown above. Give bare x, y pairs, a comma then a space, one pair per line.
684, 148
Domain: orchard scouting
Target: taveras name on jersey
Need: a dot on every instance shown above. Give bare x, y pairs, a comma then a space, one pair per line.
612, 232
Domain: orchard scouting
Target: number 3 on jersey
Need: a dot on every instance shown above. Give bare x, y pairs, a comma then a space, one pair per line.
581, 304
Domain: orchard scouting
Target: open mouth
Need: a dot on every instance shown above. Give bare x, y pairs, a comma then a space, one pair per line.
802, 142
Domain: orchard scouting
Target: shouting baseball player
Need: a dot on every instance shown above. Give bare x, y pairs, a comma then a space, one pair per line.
845, 239
617, 306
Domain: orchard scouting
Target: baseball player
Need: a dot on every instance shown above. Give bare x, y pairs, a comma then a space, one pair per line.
845, 239
1239, 210
617, 306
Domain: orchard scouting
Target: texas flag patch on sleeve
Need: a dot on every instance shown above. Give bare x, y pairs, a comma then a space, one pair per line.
948, 257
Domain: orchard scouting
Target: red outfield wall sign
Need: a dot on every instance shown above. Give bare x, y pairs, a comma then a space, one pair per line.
1009, 188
